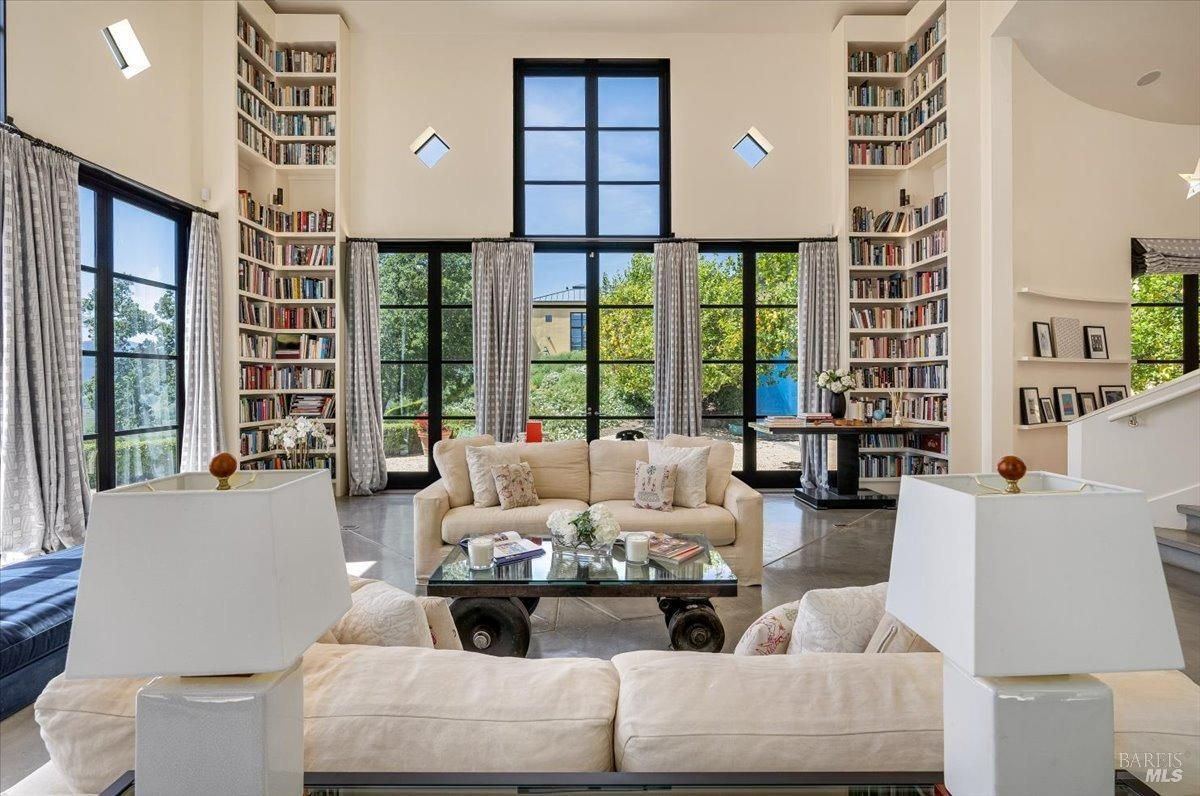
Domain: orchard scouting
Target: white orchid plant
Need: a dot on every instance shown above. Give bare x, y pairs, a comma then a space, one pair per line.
836, 380
595, 527
297, 437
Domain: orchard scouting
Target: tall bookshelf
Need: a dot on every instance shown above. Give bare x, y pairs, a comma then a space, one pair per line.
893, 81
289, 79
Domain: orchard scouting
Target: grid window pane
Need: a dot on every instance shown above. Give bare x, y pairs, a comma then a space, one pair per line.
406, 445
554, 102
554, 155
144, 243
557, 389
720, 334
143, 318
553, 330
629, 210
720, 278
776, 277
1158, 289
776, 330
456, 278
404, 278
554, 210
403, 334
628, 101
457, 343
143, 392
87, 310
458, 390
729, 430
87, 227
721, 389
626, 278
89, 394
1156, 332
627, 334
1146, 376
627, 155
405, 390
557, 430
775, 389
141, 457
626, 390
560, 277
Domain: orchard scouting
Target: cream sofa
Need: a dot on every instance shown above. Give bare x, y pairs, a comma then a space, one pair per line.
576, 474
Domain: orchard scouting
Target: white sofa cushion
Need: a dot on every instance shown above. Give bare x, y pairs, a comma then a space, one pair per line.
382, 615
560, 469
527, 520
450, 456
714, 522
837, 620
480, 461
612, 462
720, 462
691, 472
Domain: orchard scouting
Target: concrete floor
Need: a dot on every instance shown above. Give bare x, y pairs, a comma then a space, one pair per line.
803, 550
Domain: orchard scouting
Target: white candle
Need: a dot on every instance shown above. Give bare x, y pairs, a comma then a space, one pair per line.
480, 550
637, 548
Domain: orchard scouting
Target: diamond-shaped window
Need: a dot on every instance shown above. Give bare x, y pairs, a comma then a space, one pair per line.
429, 147
753, 147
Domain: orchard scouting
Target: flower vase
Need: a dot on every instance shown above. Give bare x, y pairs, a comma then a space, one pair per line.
837, 405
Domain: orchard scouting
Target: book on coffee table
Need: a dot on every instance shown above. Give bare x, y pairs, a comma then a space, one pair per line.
666, 549
510, 547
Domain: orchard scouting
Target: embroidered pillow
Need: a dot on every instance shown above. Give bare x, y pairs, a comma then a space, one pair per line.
770, 633
653, 486
691, 472
837, 620
514, 485
480, 461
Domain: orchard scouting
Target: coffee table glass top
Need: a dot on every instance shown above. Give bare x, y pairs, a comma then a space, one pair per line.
569, 566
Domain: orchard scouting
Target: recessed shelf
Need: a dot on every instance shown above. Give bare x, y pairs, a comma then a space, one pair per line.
924, 265
1063, 296
1076, 360
937, 222
923, 297
914, 330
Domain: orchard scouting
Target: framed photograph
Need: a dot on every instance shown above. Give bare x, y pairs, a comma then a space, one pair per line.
1048, 409
1111, 393
1066, 400
1068, 337
1095, 342
1087, 403
1043, 345
1031, 407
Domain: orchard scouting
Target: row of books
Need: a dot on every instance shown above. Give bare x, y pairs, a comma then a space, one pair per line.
899, 286
253, 39
291, 60
295, 377
931, 211
258, 245
928, 40
258, 79
260, 313
895, 465
323, 95
256, 377
292, 153
253, 410
279, 220
311, 406
896, 153
910, 317
257, 346
866, 95
263, 282
285, 123
876, 123
864, 219
931, 408
931, 441
893, 61
304, 346
931, 245
932, 73
323, 461
923, 377
865, 252
254, 441
931, 344
929, 138
308, 254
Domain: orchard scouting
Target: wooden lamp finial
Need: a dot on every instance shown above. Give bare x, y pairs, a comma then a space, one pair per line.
1012, 470
222, 466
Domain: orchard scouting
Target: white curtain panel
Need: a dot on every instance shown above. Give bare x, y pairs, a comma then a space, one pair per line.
817, 342
364, 385
202, 434
676, 338
44, 494
502, 291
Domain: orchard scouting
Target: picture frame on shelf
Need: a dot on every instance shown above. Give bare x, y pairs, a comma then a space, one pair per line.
1043, 341
1095, 342
1111, 393
1048, 409
1068, 337
1087, 403
1031, 407
1066, 401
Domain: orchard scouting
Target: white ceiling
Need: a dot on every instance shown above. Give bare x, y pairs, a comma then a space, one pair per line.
595, 16
1095, 50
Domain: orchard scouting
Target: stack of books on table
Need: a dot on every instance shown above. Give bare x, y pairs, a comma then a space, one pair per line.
666, 549
797, 421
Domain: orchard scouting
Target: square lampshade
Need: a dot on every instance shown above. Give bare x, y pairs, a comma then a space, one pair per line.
1063, 579
180, 579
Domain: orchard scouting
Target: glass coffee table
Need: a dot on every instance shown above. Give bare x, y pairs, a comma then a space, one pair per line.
491, 607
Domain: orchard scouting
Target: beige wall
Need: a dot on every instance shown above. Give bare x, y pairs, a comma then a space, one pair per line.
64, 86
462, 86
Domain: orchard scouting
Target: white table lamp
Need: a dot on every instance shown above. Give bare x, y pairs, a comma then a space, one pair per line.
1024, 595
217, 594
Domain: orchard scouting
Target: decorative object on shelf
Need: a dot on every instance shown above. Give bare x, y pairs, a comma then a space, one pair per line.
1095, 342
837, 381
880, 415
1012, 469
1031, 407
1111, 393
897, 397
1087, 403
591, 531
294, 435
1066, 401
1043, 344
1193, 181
1068, 337
996, 582
1048, 409
222, 467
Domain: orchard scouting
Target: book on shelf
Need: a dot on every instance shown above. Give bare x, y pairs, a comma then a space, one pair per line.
311, 406
665, 549
510, 547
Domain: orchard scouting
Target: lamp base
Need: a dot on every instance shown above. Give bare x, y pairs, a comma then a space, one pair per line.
1023, 735
205, 735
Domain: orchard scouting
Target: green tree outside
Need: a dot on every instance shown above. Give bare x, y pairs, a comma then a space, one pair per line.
1156, 332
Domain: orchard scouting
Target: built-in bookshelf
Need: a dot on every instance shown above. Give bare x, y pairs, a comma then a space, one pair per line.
289, 310
896, 237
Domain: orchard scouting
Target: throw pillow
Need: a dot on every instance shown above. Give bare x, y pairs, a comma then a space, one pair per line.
892, 635
653, 486
770, 633
837, 620
720, 462
514, 485
480, 462
381, 615
691, 472
449, 455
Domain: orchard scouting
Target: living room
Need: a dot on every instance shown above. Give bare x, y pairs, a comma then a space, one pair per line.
613, 346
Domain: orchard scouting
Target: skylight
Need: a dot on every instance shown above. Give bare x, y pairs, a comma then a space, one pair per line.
429, 147
753, 147
126, 49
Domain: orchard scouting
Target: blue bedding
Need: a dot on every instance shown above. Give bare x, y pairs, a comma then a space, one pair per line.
37, 601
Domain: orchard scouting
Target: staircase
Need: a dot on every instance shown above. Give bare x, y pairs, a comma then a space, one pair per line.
1181, 547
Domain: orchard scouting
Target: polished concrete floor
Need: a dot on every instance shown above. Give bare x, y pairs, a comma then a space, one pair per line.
803, 550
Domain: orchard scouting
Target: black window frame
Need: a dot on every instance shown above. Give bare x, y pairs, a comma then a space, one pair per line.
591, 70
1190, 304
107, 190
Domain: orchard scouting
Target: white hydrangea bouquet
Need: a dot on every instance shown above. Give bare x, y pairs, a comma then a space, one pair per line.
297, 436
595, 528
836, 381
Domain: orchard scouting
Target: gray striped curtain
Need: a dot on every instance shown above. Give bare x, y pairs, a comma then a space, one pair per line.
817, 342
44, 494
202, 437
366, 461
502, 289
676, 339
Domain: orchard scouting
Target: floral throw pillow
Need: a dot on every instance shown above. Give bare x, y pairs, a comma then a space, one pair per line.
770, 633
514, 485
653, 486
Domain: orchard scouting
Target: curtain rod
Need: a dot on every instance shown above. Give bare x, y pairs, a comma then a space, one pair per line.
593, 241
129, 181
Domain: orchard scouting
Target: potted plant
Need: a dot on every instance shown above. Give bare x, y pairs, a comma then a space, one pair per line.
422, 426
837, 381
